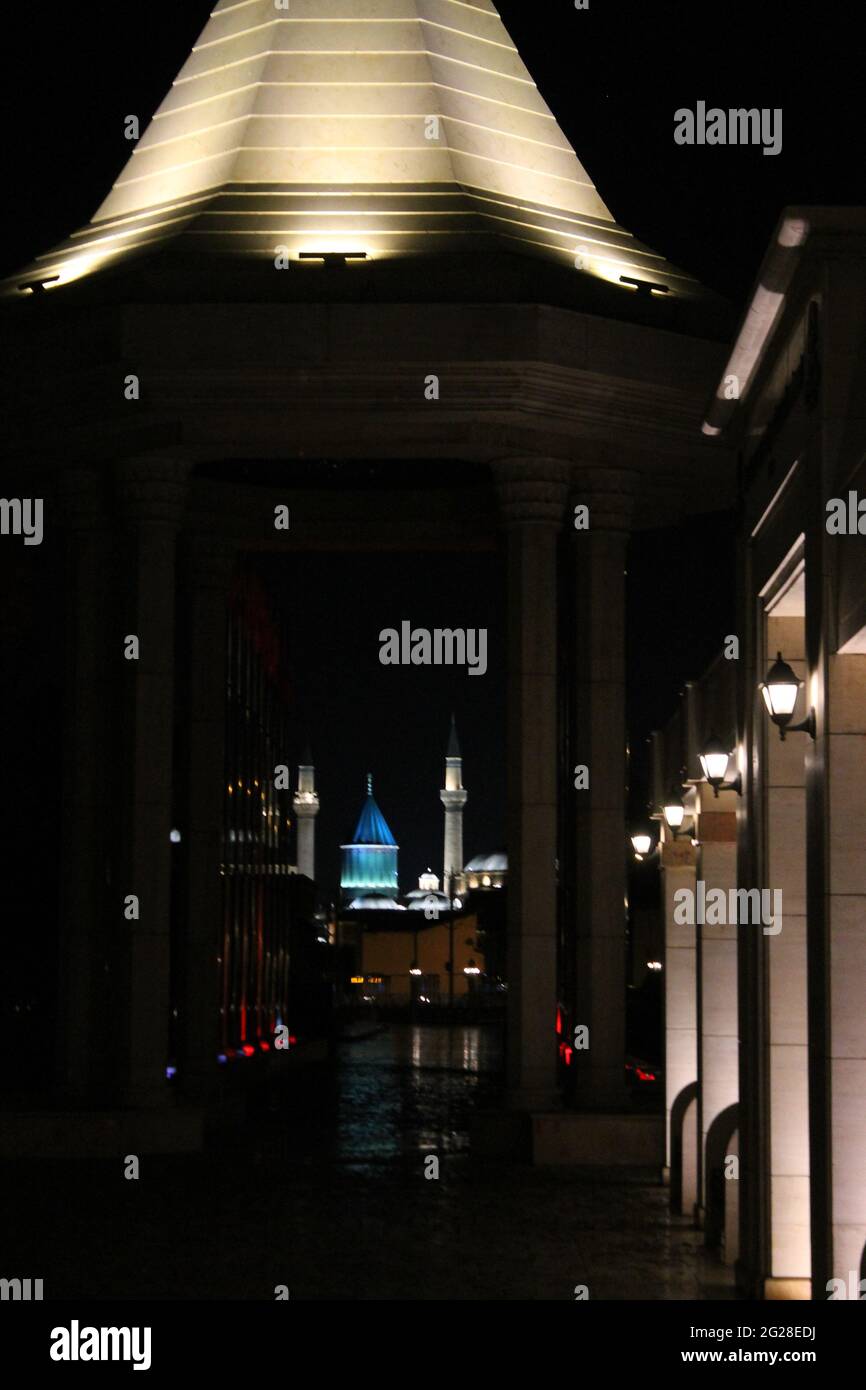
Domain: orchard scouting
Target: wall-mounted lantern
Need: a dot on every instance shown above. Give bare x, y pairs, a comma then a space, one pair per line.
780, 688
674, 811
715, 760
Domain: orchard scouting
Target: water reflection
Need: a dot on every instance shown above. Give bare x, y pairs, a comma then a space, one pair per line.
413, 1089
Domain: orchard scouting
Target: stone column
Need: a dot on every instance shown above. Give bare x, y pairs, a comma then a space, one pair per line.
841, 755
152, 492
681, 1048
600, 744
210, 562
790, 1237
532, 494
85, 812
305, 805
718, 1043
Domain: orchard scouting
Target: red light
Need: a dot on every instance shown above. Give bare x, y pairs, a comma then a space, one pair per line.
292, 1040
265, 1046
559, 1020
248, 1050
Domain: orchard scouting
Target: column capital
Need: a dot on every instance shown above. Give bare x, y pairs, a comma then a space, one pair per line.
212, 560
81, 498
153, 487
678, 854
532, 491
610, 494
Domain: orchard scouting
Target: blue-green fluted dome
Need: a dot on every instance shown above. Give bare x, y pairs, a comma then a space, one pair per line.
370, 861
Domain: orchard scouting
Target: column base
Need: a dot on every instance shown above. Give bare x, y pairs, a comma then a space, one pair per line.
101, 1133
528, 1100
788, 1290
501, 1134
594, 1140
568, 1138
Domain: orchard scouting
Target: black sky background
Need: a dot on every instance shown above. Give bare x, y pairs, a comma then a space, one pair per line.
613, 75
393, 721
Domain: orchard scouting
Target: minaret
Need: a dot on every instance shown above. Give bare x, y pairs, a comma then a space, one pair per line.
306, 807
454, 798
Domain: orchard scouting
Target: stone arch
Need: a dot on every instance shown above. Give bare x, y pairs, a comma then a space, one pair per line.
719, 1138
684, 1156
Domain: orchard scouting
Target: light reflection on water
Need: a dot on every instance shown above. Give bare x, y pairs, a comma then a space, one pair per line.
413, 1089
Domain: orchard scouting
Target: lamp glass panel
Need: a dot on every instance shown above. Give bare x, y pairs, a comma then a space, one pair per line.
781, 698
642, 843
715, 766
675, 815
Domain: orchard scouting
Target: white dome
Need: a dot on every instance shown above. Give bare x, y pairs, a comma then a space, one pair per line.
496, 863
374, 902
418, 900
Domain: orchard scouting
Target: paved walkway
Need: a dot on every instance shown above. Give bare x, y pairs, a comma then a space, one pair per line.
331, 1200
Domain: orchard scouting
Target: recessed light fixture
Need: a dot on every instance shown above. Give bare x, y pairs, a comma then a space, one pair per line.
332, 257
647, 288
38, 286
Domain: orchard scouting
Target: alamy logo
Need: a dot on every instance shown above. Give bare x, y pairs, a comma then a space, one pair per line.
854, 1287
846, 516
22, 516
76, 1343
21, 1290
734, 127
444, 646
737, 907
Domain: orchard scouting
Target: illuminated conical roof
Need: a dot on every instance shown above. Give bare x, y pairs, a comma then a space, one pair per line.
383, 127
372, 827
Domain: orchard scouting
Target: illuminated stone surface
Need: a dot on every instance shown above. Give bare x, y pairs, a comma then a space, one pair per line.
387, 128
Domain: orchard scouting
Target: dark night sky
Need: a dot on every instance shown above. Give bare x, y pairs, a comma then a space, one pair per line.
393, 721
614, 75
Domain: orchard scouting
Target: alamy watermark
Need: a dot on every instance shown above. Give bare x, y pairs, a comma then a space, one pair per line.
77, 1343
736, 126
716, 907
443, 646
22, 516
854, 1287
846, 516
21, 1290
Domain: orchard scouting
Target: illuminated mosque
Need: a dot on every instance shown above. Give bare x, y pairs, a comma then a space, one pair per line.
369, 880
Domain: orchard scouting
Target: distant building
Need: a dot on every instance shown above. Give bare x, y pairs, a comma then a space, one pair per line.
268, 911
487, 871
306, 807
370, 861
410, 960
454, 797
